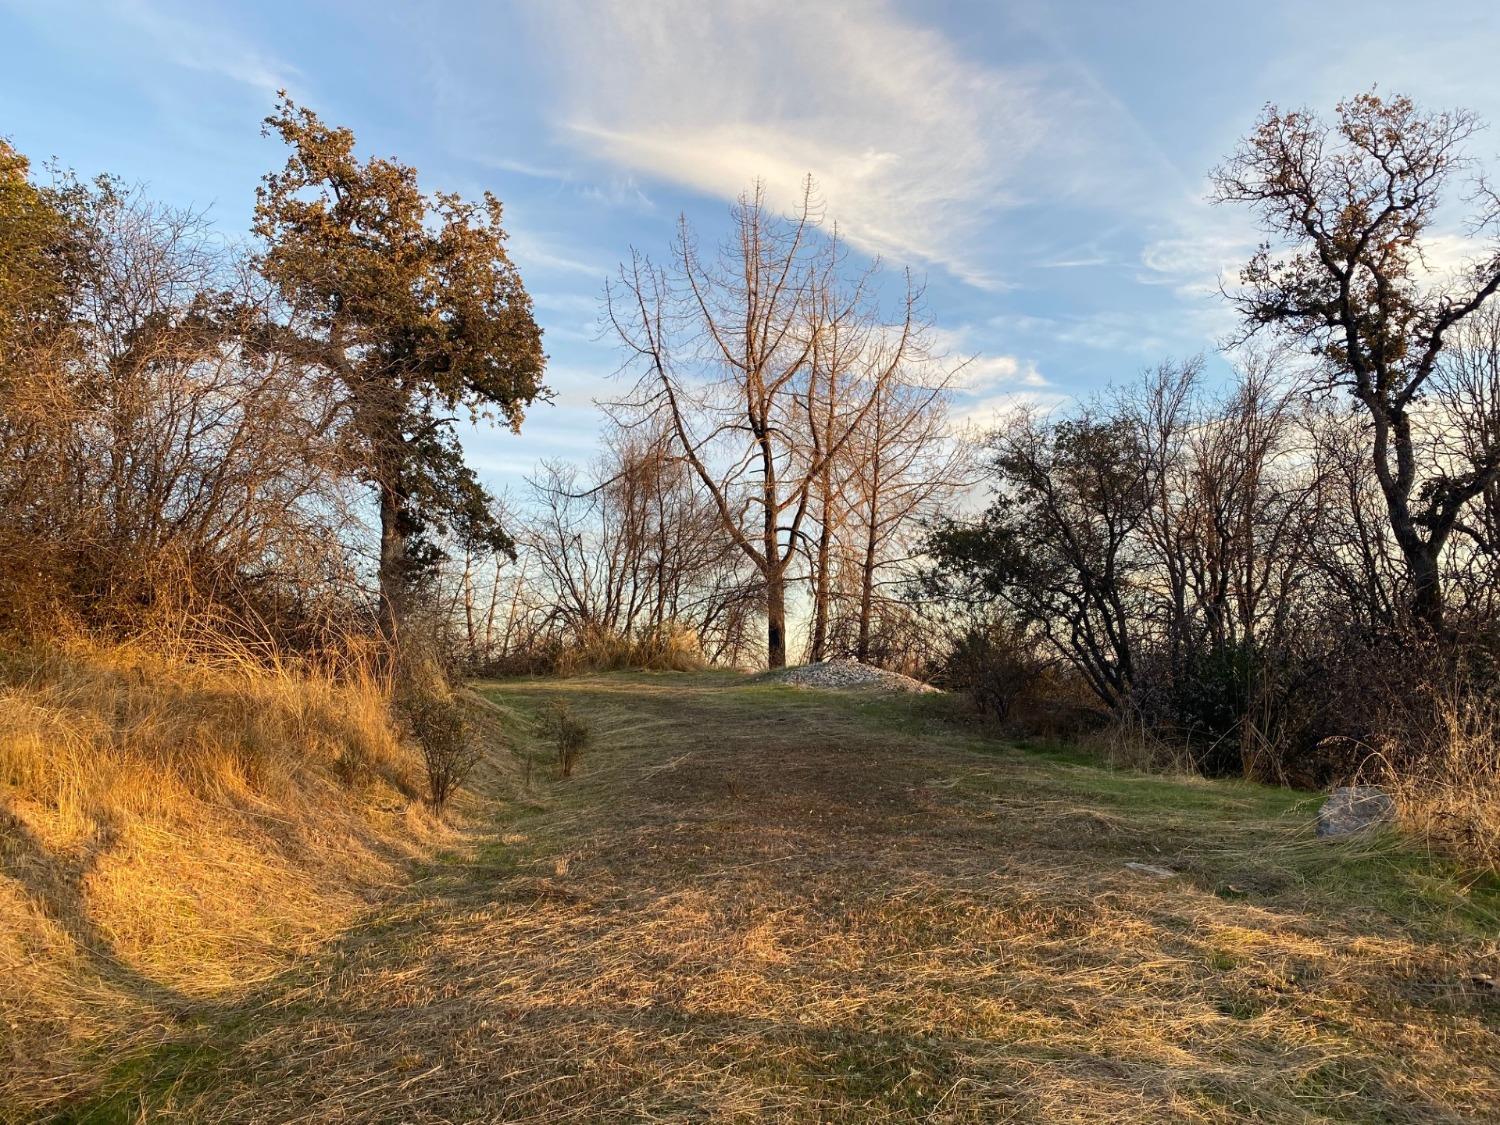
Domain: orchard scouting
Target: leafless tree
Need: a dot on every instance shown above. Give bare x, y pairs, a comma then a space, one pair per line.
189, 459
724, 348
906, 466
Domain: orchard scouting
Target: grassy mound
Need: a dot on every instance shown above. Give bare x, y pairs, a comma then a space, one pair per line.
170, 835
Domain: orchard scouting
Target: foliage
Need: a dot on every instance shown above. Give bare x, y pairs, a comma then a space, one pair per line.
994, 664
413, 305
1057, 543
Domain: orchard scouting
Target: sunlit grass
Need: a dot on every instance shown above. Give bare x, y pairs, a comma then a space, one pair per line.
756, 902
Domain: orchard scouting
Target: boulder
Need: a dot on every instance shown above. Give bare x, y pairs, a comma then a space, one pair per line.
1353, 808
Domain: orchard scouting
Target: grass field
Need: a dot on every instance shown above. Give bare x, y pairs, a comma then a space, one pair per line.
759, 903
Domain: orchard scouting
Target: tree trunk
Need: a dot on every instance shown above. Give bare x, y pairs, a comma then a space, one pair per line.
1427, 588
471, 633
776, 620
820, 590
872, 539
392, 568
866, 593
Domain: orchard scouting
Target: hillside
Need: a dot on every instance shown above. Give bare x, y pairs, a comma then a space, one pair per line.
172, 836
756, 902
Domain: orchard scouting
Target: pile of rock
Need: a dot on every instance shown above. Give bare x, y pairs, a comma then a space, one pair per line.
848, 674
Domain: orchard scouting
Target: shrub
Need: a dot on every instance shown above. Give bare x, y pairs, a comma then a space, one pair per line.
433, 718
571, 736
994, 665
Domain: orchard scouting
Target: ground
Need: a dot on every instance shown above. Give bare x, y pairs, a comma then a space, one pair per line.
757, 902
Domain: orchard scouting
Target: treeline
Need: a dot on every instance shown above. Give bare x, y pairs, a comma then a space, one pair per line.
1294, 575
194, 426
1290, 573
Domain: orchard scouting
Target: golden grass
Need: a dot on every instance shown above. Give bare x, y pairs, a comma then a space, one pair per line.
171, 835
1451, 796
671, 648
760, 904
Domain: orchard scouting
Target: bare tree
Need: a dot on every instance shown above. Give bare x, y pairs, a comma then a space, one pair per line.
632, 548
1466, 431
1233, 501
906, 466
1352, 204
725, 349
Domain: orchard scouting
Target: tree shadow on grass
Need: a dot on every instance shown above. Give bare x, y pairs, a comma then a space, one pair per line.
55, 884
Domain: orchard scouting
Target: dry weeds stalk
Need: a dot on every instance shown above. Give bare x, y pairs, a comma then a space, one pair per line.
1449, 795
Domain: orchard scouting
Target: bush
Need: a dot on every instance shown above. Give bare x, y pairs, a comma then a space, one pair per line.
571, 736
995, 665
1207, 702
433, 717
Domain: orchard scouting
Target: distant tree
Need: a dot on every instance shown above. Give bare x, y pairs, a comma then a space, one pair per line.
1349, 207
632, 547
906, 468
725, 351
1060, 544
411, 302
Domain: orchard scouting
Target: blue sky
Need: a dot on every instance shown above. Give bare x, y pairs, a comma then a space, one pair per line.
1042, 166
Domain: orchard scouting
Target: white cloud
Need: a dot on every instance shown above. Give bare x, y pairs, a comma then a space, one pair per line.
912, 143
977, 370
196, 45
981, 373
990, 412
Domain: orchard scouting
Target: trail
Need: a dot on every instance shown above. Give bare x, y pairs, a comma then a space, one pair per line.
759, 903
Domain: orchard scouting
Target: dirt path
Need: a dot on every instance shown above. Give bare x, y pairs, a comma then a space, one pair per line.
756, 903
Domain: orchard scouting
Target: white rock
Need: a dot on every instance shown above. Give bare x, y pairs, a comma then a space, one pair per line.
1353, 808
1151, 870
849, 674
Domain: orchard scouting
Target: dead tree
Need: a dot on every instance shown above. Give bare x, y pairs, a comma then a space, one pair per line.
724, 349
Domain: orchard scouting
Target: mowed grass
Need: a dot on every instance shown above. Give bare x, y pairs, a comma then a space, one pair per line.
759, 903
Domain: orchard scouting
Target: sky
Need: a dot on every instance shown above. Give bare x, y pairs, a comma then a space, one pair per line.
1042, 167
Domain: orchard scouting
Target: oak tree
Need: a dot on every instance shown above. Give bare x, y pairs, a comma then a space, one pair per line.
411, 302
1348, 207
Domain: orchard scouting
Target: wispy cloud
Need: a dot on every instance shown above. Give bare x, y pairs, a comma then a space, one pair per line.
982, 373
198, 45
534, 250
991, 412
977, 370
914, 145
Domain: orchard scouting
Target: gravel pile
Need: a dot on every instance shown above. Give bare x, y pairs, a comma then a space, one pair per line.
848, 674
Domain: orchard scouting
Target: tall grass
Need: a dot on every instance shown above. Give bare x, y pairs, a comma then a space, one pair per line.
1449, 793
172, 831
668, 648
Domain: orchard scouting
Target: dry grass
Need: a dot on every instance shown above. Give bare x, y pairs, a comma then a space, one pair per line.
754, 903
671, 648
1450, 796
171, 835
